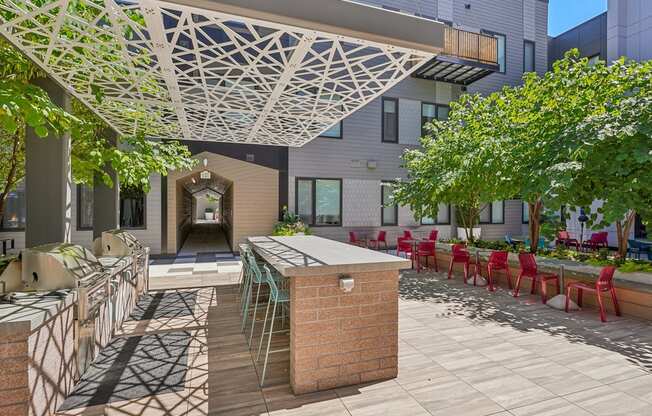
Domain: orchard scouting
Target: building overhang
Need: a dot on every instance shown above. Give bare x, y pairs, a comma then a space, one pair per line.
242, 71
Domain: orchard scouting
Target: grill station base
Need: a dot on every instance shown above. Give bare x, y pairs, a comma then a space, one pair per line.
62, 305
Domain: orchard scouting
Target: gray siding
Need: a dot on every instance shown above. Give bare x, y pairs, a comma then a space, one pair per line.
629, 29
590, 38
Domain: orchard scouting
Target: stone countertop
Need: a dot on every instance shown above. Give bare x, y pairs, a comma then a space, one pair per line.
30, 313
307, 255
637, 281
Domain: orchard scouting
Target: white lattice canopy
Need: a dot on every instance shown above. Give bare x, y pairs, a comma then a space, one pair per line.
197, 74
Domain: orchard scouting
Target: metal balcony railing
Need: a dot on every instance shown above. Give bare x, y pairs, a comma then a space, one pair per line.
471, 46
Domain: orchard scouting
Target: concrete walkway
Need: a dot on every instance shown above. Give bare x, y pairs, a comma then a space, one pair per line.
205, 238
463, 351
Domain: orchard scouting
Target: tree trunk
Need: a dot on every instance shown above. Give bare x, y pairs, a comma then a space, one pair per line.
534, 224
622, 232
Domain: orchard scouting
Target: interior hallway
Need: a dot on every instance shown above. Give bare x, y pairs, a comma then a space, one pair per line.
205, 238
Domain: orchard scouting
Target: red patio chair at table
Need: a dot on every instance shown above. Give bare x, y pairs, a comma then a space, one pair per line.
426, 249
433, 235
563, 237
381, 239
407, 234
497, 261
529, 270
603, 284
597, 241
402, 246
460, 254
353, 239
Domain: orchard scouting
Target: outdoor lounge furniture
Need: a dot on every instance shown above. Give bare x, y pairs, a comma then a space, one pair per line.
635, 248
603, 284
509, 240
497, 261
426, 249
378, 241
597, 241
563, 237
353, 239
529, 270
460, 254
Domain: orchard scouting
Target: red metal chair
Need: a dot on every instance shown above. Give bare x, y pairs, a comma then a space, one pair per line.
529, 270
407, 234
381, 239
433, 235
603, 284
426, 249
597, 241
404, 247
353, 239
460, 254
563, 237
498, 260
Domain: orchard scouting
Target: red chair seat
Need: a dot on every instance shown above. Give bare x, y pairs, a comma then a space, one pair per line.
530, 271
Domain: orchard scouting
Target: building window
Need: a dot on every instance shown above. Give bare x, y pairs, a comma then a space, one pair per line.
132, 208
84, 207
443, 216
430, 111
502, 45
14, 213
529, 64
525, 212
390, 120
389, 211
335, 132
493, 213
319, 201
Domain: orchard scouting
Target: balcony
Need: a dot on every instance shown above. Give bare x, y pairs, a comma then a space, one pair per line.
467, 57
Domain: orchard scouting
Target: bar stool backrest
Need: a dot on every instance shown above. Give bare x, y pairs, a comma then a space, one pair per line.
605, 280
273, 289
460, 252
498, 258
255, 270
528, 263
433, 235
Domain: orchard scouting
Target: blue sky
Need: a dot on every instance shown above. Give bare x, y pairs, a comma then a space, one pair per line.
566, 14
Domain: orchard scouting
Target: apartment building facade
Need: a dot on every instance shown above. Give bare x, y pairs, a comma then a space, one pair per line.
339, 181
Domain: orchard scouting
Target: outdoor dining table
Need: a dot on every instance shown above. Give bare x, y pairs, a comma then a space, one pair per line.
414, 242
343, 310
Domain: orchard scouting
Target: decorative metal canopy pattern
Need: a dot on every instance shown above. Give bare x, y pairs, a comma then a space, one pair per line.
186, 73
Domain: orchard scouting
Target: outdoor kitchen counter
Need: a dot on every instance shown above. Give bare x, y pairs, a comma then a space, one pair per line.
337, 338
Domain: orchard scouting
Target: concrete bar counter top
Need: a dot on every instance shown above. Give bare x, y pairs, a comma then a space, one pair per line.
337, 337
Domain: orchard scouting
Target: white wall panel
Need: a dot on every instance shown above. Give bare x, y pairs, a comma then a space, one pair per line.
361, 203
529, 25
409, 122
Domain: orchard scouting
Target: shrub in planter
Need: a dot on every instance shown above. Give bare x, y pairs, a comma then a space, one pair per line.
290, 224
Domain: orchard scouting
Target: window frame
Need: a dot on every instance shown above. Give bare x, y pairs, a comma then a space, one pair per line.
313, 198
448, 207
437, 108
534, 54
79, 226
491, 214
383, 223
496, 35
382, 119
144, 226
341, 122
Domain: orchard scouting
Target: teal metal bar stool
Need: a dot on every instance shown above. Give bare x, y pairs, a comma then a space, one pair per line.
278, 297
256, 278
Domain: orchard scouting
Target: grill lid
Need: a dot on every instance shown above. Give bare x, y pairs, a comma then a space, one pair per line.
119, 243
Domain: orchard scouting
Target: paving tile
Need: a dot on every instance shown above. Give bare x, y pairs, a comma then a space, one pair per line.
389, 401
607, 401
639, 387
553, 407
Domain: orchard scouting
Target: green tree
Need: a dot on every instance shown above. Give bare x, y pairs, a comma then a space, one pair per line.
459, 163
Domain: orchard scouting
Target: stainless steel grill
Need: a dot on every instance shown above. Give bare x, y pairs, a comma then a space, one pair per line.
119, 243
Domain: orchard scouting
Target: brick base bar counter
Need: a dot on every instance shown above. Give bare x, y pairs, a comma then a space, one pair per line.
337, 338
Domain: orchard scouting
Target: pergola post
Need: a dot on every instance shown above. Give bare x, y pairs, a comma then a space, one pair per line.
48, 179
106, 200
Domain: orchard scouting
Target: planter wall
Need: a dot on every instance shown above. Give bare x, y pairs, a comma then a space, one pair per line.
634, 290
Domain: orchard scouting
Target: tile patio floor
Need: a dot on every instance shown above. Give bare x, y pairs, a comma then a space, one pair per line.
463, 351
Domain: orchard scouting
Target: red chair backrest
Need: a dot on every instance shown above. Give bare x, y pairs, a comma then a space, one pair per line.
528, 262
595, 238
382, 236
407, 234
460, 252
402, 245
352, 237
604, 236
498, 258
426, 246
433, 235
563, 235
606, 276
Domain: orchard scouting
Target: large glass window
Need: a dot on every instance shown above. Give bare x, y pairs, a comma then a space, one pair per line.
335, 132
84, 207
389, 213
493, 213
132, 208
390, 120
319, 201
529, 63
443, 216
430, 111
502, 44
14, 212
